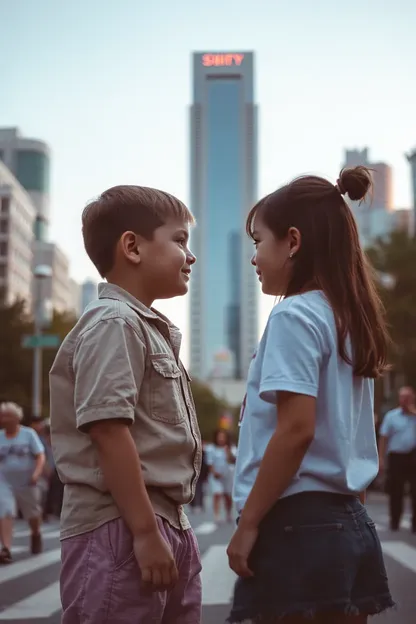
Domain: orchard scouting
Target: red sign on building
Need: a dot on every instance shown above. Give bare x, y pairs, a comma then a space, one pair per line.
222, 60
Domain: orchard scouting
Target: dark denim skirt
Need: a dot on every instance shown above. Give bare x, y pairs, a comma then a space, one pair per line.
316, 553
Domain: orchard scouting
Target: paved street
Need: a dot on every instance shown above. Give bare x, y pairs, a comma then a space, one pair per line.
29, 588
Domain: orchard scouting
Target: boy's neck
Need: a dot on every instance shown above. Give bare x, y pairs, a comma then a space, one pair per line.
131, 286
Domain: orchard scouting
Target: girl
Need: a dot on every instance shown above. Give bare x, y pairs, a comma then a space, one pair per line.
221, 459
305, 548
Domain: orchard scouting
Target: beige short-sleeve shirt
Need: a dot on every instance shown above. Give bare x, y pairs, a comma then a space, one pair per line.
121, 360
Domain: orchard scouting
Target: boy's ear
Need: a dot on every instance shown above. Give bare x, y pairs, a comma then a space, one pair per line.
130, 247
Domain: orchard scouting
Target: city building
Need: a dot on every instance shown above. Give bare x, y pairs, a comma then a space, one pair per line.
89, 292
29, 161
376, 216
403, 220
223, 180
17, 218
382, 177
411, 157
75, 298
57, 289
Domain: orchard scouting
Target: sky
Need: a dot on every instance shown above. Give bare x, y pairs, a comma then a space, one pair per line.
107, 84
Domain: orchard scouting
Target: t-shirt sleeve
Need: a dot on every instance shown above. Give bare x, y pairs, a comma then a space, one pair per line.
209, 459
108, 365
385, 427
35, 443
292, 356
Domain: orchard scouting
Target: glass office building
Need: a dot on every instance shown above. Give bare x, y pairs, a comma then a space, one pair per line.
29, 161
224, 288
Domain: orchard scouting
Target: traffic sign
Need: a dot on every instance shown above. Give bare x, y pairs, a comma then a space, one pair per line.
44, 341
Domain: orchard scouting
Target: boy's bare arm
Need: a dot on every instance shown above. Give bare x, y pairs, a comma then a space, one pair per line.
120, 463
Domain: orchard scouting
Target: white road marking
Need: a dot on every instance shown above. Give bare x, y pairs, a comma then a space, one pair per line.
37, 562
217, 578
20, 549
42, 604
45, 536
206, 528
401, 553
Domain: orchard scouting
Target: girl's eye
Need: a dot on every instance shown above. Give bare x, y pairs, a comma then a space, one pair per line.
181, 241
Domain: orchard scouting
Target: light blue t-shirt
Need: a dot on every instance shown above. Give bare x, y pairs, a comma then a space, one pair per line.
17, 456
299, 353
400, 430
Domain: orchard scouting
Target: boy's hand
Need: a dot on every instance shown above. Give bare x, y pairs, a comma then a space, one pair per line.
156, 562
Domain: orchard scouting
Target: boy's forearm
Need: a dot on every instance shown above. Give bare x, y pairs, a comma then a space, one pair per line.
120, 463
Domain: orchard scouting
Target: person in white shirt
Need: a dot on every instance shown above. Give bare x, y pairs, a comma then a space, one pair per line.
22, 458
221, 459
397, 448
305, 548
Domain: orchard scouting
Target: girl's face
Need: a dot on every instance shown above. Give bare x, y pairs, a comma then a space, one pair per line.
221, 439
273, 258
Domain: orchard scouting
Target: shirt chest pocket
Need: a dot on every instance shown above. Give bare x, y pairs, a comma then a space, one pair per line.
166, 402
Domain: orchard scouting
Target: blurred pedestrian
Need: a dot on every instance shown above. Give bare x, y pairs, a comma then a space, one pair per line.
220, 460
305, 548
7, 514
22, 460
397, 449
54, 487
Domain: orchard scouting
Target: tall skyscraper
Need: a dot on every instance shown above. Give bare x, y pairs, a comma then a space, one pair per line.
224, 289
29, 161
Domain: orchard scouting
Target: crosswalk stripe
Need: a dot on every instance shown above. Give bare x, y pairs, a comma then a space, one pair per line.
45, 535
402, 553
217, 585
20, 568
217, 578
42, 604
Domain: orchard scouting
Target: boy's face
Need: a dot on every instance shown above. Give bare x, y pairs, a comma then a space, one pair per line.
166, 261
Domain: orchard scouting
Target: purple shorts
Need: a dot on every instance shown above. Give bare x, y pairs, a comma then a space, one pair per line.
101, 582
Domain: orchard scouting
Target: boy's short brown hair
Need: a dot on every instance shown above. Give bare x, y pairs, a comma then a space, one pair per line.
126, 208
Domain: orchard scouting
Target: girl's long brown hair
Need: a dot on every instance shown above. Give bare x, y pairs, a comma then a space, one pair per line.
330, 258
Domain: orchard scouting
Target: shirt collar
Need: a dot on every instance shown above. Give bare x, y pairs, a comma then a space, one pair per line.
112, 291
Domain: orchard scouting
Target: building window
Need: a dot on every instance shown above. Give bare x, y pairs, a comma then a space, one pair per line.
3, 249
5, 205
4, 226
2, 270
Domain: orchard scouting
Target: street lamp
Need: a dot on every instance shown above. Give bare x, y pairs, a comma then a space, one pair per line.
41, 273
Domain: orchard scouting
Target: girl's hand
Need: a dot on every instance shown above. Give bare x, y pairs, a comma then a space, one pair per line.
239, 549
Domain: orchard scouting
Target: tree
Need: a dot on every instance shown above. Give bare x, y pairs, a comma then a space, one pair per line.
61, 325
209, 408
396, 258
16, 362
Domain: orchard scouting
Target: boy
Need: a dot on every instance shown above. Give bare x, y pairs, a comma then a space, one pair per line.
124, 430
